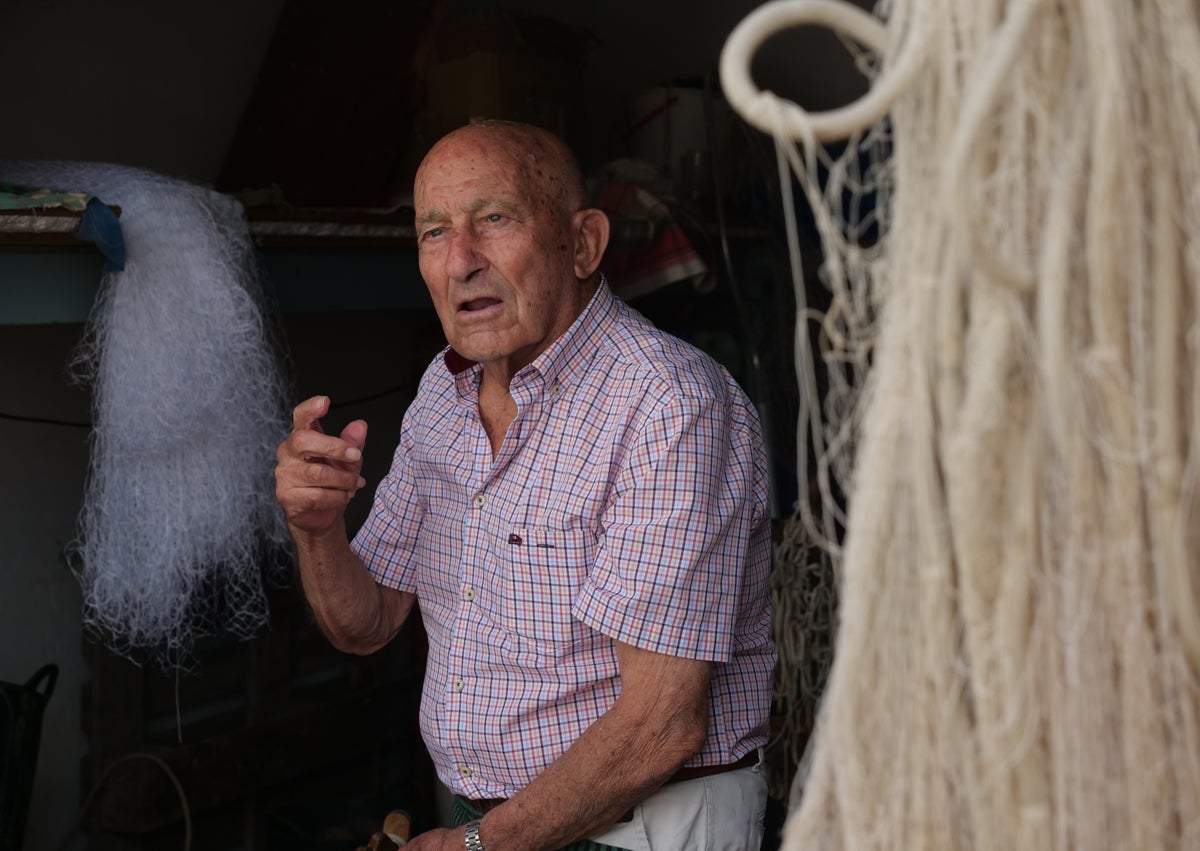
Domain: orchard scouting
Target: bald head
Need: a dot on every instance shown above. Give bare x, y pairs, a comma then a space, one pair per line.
509, 253
544, 162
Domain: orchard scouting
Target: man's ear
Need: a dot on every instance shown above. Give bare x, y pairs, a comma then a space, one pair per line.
590, 228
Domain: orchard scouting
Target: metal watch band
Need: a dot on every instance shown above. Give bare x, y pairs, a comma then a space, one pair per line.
474, 843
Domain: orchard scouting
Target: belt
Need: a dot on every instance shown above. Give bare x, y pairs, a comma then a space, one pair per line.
485, 805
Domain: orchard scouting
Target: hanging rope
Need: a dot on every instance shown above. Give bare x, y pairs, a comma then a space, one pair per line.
1017, 658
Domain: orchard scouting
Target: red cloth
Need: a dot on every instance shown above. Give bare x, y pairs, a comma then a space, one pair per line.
670, 257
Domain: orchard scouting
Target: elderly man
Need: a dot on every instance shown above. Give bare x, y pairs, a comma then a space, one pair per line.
578, 503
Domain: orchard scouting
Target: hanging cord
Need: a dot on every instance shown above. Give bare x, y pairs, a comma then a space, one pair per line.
358, 400
28, 418
99, 784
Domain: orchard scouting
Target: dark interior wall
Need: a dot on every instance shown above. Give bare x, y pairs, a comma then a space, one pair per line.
678, 42
163, 85
140, 82
368, 362
39, 598
629, 55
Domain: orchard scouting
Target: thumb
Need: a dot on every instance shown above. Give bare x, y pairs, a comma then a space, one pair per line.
355, 433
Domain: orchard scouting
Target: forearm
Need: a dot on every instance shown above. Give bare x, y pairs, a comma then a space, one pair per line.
316, 476
353, 611
627, 754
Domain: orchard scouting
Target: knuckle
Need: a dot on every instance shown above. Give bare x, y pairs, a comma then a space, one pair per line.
319, 474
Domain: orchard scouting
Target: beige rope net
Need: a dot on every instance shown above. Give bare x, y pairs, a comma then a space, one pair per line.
1017, 659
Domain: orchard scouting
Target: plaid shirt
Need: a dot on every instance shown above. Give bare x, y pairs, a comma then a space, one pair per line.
628, 502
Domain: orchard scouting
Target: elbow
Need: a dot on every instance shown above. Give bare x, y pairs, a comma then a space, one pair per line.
367, 628
692, 735
354, 637
353, 647
693, 725
683, 739
345, 641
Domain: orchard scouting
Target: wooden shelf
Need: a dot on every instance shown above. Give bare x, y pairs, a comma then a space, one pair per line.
45, 226
330, 228
269, 228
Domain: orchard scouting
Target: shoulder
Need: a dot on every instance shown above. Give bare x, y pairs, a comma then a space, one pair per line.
436, 391
638, 353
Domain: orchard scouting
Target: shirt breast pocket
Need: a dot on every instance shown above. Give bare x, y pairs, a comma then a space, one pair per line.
543, 572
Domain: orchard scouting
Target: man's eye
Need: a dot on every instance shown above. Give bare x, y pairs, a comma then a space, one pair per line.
431, 233
494, 217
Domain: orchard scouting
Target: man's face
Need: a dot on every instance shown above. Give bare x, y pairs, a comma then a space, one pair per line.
495, 249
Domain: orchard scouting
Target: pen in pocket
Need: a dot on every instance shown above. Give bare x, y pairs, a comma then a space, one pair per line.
517, 541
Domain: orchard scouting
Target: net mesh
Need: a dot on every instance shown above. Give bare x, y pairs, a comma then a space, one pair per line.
179, 527
1009, 432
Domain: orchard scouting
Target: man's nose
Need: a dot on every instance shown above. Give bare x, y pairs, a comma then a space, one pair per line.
463, 257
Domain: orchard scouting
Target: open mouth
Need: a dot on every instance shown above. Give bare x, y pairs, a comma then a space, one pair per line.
477, 304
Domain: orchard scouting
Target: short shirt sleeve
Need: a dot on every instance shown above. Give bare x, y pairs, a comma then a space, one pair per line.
674, 537
387, 541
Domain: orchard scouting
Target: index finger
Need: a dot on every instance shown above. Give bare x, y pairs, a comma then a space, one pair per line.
307, 415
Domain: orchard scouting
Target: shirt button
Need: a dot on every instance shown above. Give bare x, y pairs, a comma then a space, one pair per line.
554, 388
479, 500
459, 685
464, 770
468, 593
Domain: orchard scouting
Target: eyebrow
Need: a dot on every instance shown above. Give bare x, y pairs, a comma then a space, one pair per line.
430, 218
509, 206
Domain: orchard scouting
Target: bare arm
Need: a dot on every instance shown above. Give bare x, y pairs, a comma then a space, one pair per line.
657, 724
316, 475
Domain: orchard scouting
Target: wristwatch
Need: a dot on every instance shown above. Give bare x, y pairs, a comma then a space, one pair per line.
474, 843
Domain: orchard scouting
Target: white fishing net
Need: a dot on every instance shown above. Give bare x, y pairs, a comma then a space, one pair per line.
179, 524
1017, 661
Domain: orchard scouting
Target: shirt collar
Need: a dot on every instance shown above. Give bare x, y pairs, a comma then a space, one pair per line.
455, 362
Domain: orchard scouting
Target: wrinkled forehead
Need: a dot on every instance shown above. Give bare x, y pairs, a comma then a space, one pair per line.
492, 159
463, 159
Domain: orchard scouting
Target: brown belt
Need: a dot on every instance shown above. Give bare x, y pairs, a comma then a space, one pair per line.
485, 805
